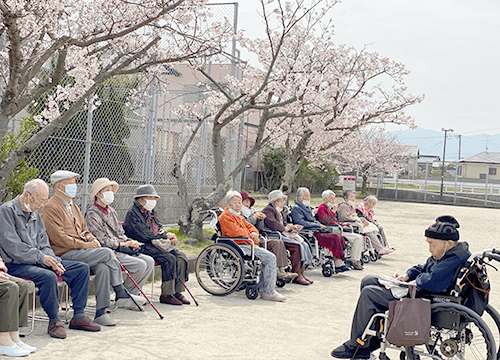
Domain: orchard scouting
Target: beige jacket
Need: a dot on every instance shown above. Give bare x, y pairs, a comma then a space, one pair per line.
65, 234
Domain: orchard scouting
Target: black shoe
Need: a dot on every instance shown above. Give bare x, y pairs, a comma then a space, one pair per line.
345, 351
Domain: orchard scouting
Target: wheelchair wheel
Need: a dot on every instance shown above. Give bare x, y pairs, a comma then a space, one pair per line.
219, 269
458, 333
251, 292
280, 283
365, 259
327, 271
492, 319
373, 256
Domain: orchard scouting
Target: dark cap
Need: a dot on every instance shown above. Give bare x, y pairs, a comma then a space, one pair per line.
245, 196
445, 228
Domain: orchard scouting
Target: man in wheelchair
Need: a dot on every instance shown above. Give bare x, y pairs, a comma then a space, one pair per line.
435, 276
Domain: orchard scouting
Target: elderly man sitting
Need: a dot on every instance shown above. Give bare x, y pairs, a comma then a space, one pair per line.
233, 224
27, 253
71, 240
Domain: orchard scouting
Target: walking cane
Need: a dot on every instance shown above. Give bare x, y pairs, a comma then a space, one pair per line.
139, 288
184, 284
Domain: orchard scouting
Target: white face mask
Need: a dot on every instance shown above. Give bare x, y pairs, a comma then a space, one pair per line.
350, 202
306, 202
27, 205
108, 197
330, 205
246, 212
150, 205
279, 209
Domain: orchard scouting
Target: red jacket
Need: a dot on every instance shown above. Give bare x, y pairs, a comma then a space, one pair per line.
236, 226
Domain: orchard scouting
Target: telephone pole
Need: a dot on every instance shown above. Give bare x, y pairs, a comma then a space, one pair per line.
442, 167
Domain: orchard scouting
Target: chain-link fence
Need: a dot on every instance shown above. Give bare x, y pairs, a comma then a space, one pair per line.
130, 133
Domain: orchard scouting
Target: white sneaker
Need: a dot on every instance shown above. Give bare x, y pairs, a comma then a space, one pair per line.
26, 346
275, 296
128, 303
14, 350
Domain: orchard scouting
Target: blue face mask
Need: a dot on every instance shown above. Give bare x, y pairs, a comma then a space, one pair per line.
233, 212
71, 190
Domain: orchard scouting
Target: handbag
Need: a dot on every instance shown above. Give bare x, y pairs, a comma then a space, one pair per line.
369, 228
409, 320
164, 244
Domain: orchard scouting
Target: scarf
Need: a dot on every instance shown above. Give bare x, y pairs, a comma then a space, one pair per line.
150, 220
103, 209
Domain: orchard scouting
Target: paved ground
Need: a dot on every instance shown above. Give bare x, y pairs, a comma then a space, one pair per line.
313, 321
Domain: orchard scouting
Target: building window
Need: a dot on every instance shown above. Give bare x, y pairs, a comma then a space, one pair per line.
459, 171
482, 176
493, 171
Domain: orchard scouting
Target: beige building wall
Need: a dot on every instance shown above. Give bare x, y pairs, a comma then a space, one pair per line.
478, 171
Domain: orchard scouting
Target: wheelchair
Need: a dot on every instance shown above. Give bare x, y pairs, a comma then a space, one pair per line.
368, 253
229, 264
457, 331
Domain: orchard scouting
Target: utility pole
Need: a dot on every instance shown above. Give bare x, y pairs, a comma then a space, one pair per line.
442, 167
459, 146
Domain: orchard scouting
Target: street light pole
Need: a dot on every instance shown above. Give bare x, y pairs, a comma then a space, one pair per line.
442, 167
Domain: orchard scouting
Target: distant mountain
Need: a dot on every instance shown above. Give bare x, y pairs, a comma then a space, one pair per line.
430, 142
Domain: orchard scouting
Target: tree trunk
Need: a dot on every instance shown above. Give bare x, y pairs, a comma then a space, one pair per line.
293, 160
363, 186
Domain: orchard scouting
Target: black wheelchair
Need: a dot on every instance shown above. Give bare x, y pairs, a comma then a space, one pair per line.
457, 331
229, 264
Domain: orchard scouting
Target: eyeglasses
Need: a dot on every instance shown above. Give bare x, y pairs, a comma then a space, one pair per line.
37, 201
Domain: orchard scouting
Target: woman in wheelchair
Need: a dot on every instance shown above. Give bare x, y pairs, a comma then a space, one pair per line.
435, 276
302, 215
276, 246
346, 212
300, 253
233, 224
365, 210
327, 216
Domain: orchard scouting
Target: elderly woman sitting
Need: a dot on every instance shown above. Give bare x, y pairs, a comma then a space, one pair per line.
102, 221
365, 210
276, 246
233, 224
141, 224
275, 220
327, 215
302, 215
346, 212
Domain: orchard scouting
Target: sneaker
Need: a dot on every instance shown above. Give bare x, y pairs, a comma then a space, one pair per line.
182, 298
104, 320
57, 330
26, 346
170, 300
385, 251
275, 296
346, 351
14, 350
84, 324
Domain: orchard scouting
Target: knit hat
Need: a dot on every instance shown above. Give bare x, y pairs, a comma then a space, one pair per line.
245, 196
145, 190
445, 228
275, 195
101, 183
62, 175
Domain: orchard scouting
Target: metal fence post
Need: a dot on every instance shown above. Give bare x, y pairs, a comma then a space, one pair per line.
425, 183
486, 185
396, 186
86, 166
456, 176
149, 136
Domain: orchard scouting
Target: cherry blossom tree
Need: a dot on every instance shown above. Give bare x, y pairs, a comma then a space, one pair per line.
64, 50
369, 152
355, 89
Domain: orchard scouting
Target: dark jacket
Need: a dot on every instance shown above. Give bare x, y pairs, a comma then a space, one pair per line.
435, 276
302, 215
272, 220
136, 228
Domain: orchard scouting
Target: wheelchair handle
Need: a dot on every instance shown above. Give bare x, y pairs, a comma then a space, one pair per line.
495, 251
492, 256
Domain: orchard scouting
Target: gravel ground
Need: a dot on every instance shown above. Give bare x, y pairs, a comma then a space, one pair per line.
313, 320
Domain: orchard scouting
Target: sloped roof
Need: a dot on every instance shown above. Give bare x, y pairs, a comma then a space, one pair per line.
485, 158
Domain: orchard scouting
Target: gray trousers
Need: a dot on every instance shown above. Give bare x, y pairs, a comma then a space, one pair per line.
103, 264
375, 241
139, 267
267, 281
374, 298
174, 286
14, 302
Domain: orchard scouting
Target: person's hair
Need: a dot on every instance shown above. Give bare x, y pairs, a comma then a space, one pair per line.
301, 191
347, 193
231, 194
33, 186
370, 197
326, 194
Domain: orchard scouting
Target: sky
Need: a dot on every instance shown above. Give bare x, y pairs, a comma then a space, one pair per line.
451, 47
